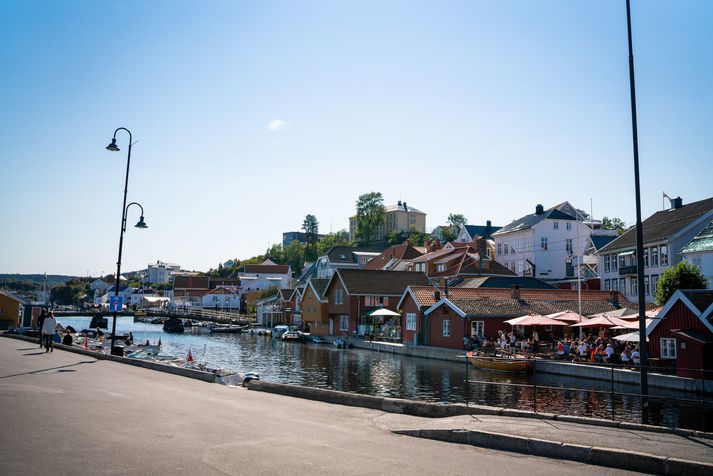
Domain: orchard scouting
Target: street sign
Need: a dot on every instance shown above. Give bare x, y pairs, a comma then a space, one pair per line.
116, 303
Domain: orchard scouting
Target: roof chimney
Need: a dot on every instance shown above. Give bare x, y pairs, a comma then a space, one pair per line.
398, 203
405, 207
539, 209
515, 291
676, 203
437, 295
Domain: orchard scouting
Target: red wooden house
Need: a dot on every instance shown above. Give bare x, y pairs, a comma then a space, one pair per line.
682, 332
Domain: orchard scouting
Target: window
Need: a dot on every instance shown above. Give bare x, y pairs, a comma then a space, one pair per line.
512, 266
446, 328
668, 347
500, 249
607, 284
664, 255
614, 284
441, 267
568, 245
647, 285
654, 283
477, 329
646, 257
613, 263
543, 243
520, 266
622, 285
556, 225
344, 323
654, 256
634, 287
512, 248
607, 260
507, 245
410, 321
569, 226
338, 296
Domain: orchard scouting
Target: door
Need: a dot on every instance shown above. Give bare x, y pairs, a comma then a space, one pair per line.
331, 326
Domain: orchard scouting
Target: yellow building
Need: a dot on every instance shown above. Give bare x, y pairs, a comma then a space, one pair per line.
399, 217
10, 310
314, 307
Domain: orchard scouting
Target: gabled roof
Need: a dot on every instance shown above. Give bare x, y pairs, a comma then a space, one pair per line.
701, 242
503, 282
267, 268
393, 255
224, 290
12, 296
191, 282
488, 307
528, 221
319, 286
377, 282
286, 294
698, 301
481, 230
600, 241
663, 224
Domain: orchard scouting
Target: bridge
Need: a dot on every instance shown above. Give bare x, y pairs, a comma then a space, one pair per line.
196, 314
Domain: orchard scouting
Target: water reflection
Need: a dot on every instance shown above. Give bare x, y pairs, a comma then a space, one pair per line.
388, 375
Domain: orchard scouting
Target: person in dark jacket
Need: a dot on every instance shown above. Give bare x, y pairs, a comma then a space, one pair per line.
40, 321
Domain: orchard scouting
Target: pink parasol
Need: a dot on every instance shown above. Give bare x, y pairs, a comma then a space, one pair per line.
567, 316
601, 321
534, 320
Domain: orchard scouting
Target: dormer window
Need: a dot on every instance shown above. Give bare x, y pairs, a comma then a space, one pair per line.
441, 267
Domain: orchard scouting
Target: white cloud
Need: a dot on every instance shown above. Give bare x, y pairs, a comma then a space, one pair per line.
277, 125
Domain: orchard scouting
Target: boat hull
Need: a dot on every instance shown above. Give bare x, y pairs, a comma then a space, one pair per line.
495, 364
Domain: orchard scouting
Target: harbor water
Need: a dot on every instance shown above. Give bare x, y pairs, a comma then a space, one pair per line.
398, 376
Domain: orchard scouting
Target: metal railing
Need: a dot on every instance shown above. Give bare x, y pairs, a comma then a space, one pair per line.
694, 396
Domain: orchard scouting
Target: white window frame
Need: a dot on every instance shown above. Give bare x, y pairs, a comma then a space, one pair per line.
663, 255
667, 347
344, 322
654, 256
477, 329
556, 225
410, 321
569, 226
543, 243
607, 263
446, 328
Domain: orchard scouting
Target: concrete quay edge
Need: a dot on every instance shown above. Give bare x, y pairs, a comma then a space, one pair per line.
610, 457
190, 373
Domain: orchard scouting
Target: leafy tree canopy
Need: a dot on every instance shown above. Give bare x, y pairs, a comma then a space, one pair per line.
614, 224
456, 220
332, 239
370, 216
682, 276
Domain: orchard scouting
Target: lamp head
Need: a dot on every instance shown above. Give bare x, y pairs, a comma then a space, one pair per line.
141, 223
113, 147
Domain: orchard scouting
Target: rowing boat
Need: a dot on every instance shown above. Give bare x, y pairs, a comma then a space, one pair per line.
498, 364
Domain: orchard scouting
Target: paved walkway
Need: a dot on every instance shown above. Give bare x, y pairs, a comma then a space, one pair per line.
65, 413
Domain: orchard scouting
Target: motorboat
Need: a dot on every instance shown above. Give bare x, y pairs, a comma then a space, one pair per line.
293, 336
342, 343
153, 353
227, 329
277, 331
318, 340
498, 364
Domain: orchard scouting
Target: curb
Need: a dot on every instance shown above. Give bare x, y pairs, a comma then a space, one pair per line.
190, 373
613, 458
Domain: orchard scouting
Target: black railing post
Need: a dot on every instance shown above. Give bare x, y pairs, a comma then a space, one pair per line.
613, 414
534, 385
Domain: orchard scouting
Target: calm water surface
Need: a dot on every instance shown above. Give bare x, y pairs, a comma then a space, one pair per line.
389, 375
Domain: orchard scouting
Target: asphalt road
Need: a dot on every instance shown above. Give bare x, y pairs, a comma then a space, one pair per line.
64, 413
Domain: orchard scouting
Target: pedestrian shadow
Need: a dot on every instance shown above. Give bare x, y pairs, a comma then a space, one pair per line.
51, 368
40, 352
28, 348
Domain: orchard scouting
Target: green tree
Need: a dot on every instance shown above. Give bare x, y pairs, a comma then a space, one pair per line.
370, 216
682, 276
456, 220
294, 255
310, 226
614, 224
275, 254
447, 234
330, 240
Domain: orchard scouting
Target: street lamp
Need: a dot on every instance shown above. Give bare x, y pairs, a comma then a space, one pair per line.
124, 210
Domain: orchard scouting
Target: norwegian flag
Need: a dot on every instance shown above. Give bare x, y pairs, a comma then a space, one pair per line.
190, 356
666, 196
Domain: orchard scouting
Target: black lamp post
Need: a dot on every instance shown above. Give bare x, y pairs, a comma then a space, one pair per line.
124, 210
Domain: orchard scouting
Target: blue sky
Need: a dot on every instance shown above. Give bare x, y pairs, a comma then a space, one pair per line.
249, 115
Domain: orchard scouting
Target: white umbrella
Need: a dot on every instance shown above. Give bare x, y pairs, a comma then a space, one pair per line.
384, 312
630, 337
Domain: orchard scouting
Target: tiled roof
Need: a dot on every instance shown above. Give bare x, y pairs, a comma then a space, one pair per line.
488, 307
662, 225
319, 286
701, 242
504, 282
600, 241
394, 208
214, 282
377, 282
191, 282
286, 294
528, 221
481, 230
700, 298
424, 295
392, 255
12, 296
266, 268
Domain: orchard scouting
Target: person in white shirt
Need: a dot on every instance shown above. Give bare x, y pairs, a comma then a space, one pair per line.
582, 350
48, 332
636, 357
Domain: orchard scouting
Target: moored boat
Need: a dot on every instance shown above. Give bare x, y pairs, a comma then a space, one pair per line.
499, 364
293, 336
318, 340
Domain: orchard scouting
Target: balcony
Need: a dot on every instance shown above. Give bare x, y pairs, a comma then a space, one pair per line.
627, 270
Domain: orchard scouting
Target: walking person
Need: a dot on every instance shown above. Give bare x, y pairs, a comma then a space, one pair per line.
40, 322
48, 332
